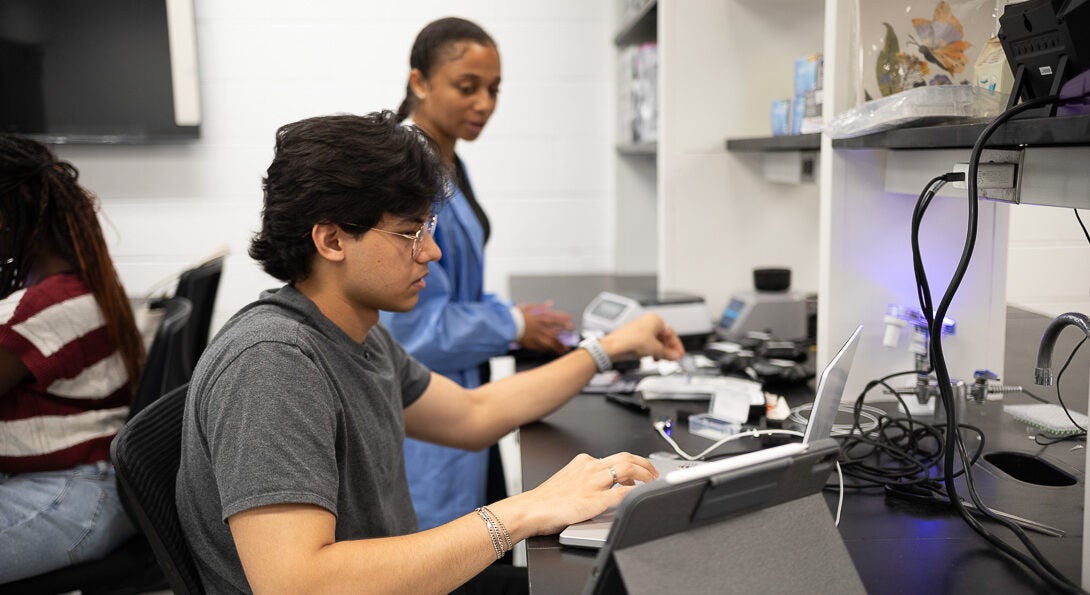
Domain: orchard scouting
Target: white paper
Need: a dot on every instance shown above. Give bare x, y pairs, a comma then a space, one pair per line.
731, 397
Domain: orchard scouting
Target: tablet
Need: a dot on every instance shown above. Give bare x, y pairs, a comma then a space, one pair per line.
704, 496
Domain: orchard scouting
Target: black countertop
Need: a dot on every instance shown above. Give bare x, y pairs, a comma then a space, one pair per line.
897, 546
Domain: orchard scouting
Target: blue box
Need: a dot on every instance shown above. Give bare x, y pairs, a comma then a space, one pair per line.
781, 117
798, 112
808, 73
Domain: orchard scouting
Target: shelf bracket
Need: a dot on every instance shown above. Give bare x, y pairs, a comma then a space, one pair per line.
790, 167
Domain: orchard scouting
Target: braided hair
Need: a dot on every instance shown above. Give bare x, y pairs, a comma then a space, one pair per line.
42, 205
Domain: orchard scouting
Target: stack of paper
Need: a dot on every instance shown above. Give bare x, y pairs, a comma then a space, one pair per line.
730, 397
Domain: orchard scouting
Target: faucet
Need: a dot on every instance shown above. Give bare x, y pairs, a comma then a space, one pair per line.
926, 388
1042, 374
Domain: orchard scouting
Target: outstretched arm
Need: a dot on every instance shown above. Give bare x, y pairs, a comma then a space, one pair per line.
473, 419
307, 557
542, 327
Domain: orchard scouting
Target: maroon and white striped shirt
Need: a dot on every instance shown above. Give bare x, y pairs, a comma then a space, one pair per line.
77, 394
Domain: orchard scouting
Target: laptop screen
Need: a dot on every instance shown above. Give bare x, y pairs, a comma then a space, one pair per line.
830, 391
594, 532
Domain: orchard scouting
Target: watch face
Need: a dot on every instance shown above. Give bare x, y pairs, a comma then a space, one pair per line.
607, 309
731, 313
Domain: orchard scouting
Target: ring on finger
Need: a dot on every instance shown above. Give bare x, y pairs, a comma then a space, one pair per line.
613, 473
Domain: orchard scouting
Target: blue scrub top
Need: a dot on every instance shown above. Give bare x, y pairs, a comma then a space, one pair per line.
453, 329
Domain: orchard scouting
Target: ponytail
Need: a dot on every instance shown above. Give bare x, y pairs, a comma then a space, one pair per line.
427, 51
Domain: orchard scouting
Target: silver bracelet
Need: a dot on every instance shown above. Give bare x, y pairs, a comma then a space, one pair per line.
493, 533
506, 535
597, 353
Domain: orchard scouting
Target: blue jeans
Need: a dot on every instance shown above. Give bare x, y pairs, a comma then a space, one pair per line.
54, 519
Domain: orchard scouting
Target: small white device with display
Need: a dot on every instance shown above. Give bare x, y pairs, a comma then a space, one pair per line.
780, 314
687, 314
608, 311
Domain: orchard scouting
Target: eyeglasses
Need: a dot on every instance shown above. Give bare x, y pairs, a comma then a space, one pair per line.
418, 237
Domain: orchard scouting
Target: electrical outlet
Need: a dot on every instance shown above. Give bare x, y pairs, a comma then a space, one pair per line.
989, 176
998, 175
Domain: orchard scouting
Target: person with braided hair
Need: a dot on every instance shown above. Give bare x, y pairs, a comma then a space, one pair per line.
70, 356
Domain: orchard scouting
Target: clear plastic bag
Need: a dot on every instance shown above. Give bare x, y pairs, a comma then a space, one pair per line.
922, 106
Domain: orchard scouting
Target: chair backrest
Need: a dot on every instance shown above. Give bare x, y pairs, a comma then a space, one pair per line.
166, 365
199, 285
146, 454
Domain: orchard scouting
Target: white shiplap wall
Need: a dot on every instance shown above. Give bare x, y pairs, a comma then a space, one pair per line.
541, 168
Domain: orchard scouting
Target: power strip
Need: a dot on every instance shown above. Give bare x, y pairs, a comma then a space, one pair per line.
989, 176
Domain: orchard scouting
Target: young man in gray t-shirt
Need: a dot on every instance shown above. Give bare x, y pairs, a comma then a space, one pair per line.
292, 477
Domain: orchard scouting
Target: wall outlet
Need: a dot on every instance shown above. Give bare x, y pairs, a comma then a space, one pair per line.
998, 175
989, 175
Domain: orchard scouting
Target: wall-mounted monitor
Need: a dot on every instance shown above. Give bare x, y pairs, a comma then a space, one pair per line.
99, 71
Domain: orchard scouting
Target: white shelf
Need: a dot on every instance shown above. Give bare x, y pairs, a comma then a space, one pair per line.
637, 148
701, 214
684, 205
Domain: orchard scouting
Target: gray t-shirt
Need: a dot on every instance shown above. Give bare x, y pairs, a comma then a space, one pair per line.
284, 407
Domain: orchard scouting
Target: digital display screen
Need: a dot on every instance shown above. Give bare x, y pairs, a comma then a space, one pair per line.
608, 309
78, 71
730, 314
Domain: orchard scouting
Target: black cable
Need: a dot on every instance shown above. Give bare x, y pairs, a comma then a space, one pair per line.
1083, 226
1060, 398
1040, 566
1073, 437
899, 452
873, 383
1037, 563
1035, 397
1069, 358
923, 290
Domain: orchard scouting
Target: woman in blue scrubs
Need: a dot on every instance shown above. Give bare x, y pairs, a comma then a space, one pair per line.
456, 326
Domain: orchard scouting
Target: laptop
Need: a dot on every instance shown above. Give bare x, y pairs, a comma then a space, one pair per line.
595, 533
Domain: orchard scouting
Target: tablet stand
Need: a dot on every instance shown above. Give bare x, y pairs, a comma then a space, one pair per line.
788, 548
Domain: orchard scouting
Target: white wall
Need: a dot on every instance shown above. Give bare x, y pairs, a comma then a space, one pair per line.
541, 169
720, 218
1046, 264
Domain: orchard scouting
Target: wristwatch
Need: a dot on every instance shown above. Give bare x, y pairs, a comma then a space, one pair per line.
597, 353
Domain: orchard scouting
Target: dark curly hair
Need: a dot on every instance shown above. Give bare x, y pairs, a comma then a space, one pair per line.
431, 47
345, 170
42, 205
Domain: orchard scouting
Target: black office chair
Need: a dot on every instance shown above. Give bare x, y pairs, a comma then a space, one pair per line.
199, 285
146, 454
167, 364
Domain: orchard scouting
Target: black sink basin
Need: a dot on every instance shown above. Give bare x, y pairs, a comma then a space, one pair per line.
1030, 469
